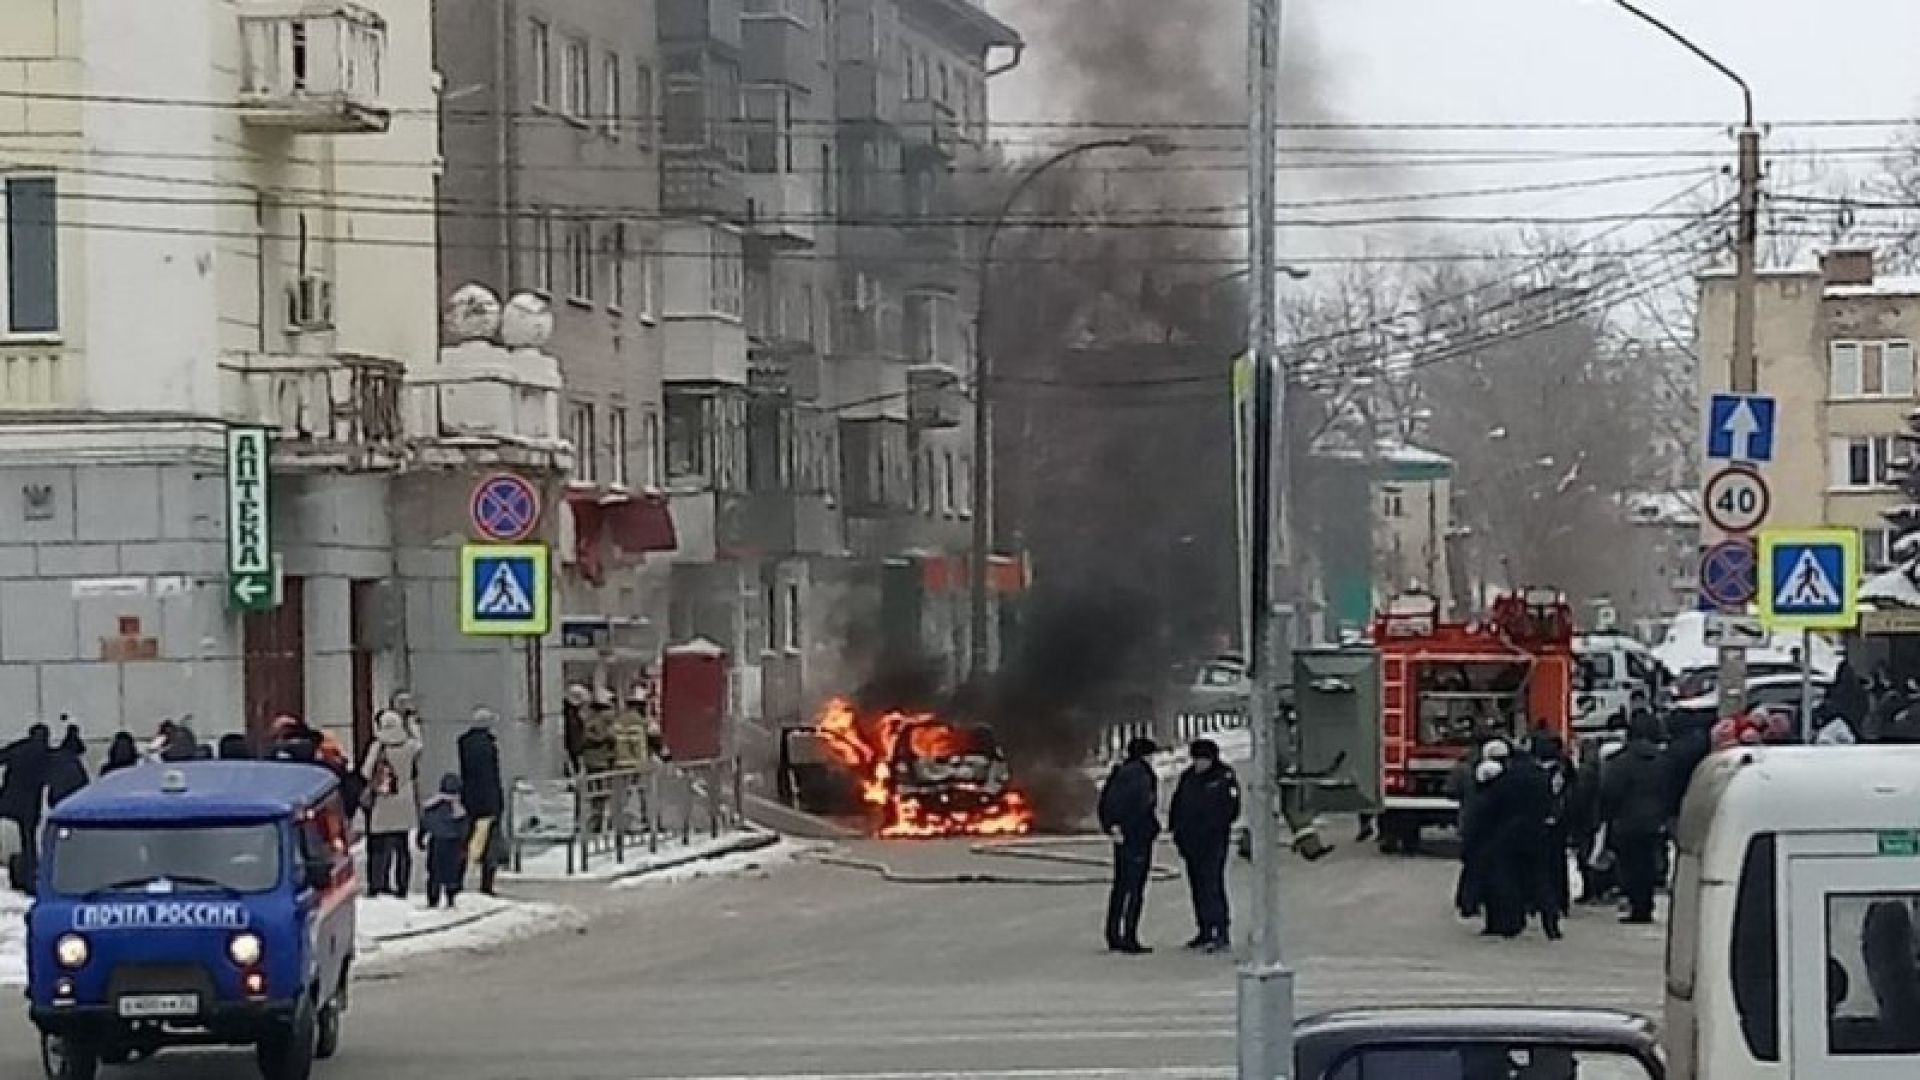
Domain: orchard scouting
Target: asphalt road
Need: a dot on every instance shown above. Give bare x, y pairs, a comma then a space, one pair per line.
816, 971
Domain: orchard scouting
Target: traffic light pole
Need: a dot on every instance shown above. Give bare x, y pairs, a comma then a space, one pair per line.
1265, 984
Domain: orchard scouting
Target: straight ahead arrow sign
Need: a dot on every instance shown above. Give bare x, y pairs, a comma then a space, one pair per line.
1742, 426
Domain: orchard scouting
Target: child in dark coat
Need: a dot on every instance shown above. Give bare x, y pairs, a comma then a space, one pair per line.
443, 836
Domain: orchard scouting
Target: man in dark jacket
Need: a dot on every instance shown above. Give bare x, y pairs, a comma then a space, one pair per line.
1558, 769
484, 797
1129, 815
28, 762
1522, 802
67, 771
1634, 804
1205, 804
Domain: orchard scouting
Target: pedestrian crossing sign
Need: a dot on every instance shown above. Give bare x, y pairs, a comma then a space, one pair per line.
504, 590
1810, 579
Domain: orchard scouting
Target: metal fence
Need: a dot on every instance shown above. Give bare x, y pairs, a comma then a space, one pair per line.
611, 815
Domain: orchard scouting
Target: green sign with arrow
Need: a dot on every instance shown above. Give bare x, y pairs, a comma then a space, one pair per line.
250, 585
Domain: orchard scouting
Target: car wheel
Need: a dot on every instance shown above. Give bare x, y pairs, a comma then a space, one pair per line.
326, 1041
288, 1054
68, 1059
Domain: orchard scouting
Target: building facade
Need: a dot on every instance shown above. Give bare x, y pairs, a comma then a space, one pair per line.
551, 135
221, 215
1835, 347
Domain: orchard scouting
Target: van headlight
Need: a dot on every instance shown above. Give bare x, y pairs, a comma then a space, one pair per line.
72, 952
244, 949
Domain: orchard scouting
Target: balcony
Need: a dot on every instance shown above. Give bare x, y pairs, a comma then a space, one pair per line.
38, 377
785, 368
328, 412
927, 126
705, 351
714, 22
698, 183
782, 209
935, 397
483, 405
780, 46
313, 66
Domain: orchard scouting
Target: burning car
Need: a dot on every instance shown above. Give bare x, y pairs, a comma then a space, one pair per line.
915, 774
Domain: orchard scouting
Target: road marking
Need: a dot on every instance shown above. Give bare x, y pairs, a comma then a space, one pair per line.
1154, 1073
1170, 1072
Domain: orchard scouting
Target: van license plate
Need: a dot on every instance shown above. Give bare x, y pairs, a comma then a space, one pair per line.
148, 1006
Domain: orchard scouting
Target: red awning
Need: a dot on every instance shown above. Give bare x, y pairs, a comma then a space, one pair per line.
640, 523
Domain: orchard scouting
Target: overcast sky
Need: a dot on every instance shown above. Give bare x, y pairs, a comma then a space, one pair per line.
1578, 60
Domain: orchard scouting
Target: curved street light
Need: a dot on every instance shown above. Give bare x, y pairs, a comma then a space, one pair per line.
982, 498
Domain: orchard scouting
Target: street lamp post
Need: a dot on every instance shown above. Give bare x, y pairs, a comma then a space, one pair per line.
1744, 366
982, 485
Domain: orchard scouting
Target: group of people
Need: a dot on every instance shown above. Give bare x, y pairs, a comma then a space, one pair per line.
600, 736
458, 826
1206, 802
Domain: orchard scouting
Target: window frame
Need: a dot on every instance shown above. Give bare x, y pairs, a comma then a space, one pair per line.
583, 431
580, 260
1871, 382
576, 79
540, 43
618, 469
545, 256
8, 305
643, 96
614, 248
727, 284
612, 96
1880, 452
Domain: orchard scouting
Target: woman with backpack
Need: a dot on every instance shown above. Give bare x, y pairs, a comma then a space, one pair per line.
391, 795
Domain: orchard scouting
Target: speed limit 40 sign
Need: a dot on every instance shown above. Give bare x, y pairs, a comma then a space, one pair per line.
1737, 499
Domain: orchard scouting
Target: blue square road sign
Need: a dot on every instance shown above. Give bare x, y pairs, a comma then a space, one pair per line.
1810, 580
504, 590
1740, 428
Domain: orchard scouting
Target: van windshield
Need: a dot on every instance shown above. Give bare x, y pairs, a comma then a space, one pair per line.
236, 858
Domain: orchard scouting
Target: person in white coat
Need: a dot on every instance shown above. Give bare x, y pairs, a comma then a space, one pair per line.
392, 800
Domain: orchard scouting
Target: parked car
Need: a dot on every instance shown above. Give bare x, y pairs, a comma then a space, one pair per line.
1474, 1042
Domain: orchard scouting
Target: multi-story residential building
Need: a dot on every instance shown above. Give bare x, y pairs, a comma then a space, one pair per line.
221, 214
552, 142
911, 106
1836, 350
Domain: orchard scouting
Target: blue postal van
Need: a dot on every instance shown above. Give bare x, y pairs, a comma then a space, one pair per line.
194, 904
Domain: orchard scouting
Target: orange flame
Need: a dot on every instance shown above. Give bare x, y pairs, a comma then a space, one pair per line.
868, 746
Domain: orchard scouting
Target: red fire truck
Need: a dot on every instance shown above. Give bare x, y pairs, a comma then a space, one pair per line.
1445, 687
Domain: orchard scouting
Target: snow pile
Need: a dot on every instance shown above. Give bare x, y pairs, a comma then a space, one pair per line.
1685, 648
749, 861
13, 938
550, 864
1895, 588
391, 930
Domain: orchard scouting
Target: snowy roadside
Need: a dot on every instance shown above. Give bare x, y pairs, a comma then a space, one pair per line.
550, 866
13, 938
755, 860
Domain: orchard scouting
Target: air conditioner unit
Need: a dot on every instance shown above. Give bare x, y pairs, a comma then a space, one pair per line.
310, 304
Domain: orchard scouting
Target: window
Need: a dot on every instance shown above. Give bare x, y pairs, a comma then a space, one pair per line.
32, 255
764, 130
580, 260
615, 248
1860, 461
617, 447
643, 276
238, 858
728, 266
793, 634
1469, 1060
1876, 548
576, 96
686, 111
946, 84
1755, 950
706, 440
1870, 369
612, 99
1870, 960
644, 103
1393, 503
586, 450
544, 271
770, 603
541, 43
656, 453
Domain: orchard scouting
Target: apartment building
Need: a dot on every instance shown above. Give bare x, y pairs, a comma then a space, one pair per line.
221, 214
552, 138
1836, 349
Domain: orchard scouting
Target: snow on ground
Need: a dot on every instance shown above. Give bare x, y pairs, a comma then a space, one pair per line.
13, 938
550, 865
392, 930
751, 861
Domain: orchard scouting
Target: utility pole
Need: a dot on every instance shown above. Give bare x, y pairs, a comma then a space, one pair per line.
1265, 984
1744, 365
